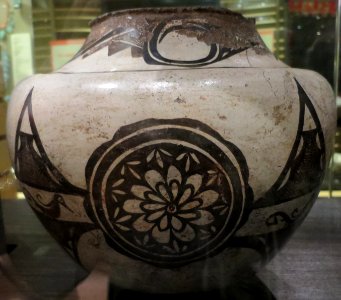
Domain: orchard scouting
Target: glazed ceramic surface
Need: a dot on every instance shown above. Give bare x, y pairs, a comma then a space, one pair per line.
174, 148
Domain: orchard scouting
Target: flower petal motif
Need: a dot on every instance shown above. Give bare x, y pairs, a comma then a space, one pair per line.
119, 192
133, 206
134, 163
136, 175
159, 159
168, 206
139, 191
212, 180
188, 216
195, 158
190, 205
123, 170
205, 218
155, 215
188, 164
118, 182
185, 196
162, 237
123, 219
153, 178
181, 156
142, 225
187, 235
156, 198
164, 223
174, 189
152, 206
208, 197
117, 210
173, 174
150, 156
195, 180
161, 188
165, 152
176, 223
124, 228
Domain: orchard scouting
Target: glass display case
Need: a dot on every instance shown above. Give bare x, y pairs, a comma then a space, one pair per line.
40, 36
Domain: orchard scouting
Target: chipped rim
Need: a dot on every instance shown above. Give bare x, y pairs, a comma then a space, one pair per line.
163, 10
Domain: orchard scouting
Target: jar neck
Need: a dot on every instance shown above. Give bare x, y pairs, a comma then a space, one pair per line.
161, 38
220, 26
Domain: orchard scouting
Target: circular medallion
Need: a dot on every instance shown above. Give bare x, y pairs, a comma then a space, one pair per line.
168, 191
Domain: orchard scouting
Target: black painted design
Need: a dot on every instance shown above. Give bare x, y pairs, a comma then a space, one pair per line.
304, 170
167, 191
301, 177
282, 217
31, 163
51, 209
34, 168
170, 192
189, 28
122, 38
116, 40
269, 243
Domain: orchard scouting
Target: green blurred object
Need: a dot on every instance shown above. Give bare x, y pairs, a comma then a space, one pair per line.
110, 5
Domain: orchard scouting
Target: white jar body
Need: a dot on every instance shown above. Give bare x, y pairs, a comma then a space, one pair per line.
267, 123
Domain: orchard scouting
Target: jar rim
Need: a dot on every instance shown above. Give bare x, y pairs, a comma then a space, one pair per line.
165, 10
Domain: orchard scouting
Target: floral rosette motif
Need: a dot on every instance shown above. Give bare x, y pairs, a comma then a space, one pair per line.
169, 213
167, 194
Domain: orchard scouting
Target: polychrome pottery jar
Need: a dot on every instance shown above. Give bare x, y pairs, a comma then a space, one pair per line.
174, 148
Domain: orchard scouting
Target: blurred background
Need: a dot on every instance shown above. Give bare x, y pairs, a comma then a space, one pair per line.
39, 36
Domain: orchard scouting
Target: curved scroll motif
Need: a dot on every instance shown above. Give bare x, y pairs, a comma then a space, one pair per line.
187, 28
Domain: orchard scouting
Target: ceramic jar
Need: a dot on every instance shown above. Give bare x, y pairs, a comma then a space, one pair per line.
174, 148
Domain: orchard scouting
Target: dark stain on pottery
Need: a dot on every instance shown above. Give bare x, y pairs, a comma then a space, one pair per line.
179, 100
